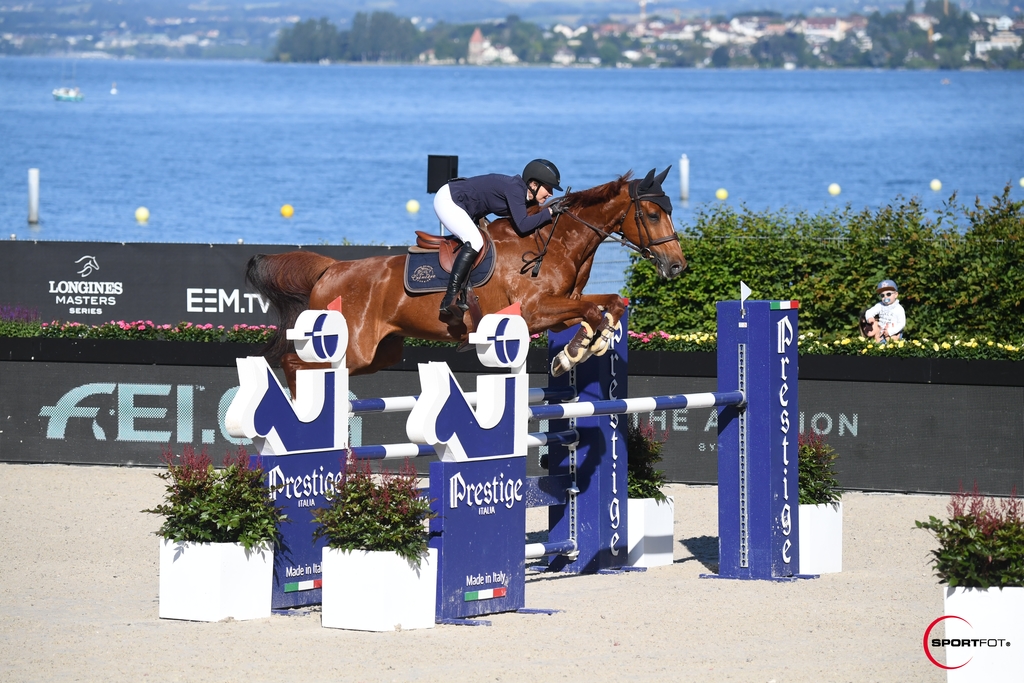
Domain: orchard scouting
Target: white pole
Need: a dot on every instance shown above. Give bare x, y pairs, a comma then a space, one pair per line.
33, 195
684, 178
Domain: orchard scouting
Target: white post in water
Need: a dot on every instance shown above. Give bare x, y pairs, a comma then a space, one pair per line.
33, 195
684, 178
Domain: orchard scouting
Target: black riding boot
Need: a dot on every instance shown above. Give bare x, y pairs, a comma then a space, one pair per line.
460, 272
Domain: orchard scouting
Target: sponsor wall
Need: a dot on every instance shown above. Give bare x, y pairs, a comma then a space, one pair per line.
890, 436
95, 282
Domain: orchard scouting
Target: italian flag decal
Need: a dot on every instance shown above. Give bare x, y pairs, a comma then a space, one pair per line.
470, 596
784, 305
303, 586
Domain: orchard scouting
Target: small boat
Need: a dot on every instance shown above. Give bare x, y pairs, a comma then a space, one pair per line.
68, 94
113, 88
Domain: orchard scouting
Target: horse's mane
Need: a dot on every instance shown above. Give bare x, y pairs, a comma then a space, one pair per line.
596, 195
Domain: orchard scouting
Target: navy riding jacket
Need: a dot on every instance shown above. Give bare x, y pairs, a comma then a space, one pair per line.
501, 195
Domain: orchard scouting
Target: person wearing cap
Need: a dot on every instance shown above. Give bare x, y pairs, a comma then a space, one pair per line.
461, 203
891, 318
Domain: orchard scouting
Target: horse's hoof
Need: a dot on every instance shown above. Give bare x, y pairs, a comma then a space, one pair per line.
560, 365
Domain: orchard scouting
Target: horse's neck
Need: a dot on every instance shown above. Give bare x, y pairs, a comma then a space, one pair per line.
581, 242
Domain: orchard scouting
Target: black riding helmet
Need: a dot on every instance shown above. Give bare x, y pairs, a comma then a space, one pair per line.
544, 172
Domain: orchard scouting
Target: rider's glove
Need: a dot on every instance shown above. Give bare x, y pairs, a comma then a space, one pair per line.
556, 207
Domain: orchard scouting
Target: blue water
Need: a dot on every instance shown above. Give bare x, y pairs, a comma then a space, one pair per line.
213, 149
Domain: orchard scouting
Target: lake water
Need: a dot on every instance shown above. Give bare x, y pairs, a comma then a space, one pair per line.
213, 149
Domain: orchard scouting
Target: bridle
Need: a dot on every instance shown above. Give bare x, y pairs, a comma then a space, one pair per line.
643, 229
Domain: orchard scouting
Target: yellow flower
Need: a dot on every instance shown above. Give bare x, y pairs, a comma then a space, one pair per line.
956, 343
935, 347
900, 343
846, 341
990, 343
945, 345
999, 345
864, 350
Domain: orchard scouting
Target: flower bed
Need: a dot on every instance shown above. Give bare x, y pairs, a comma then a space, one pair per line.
18, 322
138, 330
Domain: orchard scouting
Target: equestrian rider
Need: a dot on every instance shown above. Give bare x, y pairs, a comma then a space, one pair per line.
464, 201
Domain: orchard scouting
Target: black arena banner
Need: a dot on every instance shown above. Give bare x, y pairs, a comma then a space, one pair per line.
889, 436
95, 282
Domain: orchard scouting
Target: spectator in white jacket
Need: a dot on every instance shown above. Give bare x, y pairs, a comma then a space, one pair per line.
886, 318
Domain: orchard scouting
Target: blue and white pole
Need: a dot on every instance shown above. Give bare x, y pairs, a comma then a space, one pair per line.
758, 500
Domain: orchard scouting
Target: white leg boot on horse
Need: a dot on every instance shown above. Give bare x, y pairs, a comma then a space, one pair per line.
460, 274
575, 352
604, 334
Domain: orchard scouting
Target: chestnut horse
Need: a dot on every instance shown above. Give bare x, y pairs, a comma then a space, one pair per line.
380, 312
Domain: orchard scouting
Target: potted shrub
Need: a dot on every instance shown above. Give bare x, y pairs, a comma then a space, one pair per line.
980, 558
651, 514
378, 574
218, 539
821, 507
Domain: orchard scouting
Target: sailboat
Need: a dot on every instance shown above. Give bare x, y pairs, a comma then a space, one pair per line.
66, 94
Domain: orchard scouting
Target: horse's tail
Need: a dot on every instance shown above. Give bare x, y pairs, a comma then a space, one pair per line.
286, 281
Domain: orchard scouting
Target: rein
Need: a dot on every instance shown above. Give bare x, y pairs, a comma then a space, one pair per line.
643, 229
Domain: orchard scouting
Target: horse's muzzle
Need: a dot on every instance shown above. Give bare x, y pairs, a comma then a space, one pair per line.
670, 268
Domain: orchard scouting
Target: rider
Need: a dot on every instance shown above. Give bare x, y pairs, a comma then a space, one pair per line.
464, 201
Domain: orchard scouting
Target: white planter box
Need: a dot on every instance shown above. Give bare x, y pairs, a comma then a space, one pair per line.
377, 591
214, 581
991, 614
821, 539
651, 532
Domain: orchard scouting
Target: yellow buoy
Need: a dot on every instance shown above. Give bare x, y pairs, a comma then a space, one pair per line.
834, 189
412, 206
287, 210
142, 214
936, 185
721, 193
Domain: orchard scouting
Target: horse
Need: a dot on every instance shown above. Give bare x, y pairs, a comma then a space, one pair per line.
544, 272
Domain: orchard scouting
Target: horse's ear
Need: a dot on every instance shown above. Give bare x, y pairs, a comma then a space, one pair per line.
648, 180
661, 176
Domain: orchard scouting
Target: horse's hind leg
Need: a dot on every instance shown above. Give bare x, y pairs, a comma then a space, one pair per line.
389, 352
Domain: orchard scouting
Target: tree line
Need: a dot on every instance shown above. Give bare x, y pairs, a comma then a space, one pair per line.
893, 41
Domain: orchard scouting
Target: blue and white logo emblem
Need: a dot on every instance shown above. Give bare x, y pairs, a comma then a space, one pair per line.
320, 336
502, 341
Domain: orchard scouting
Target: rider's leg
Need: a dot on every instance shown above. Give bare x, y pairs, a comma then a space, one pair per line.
459, 223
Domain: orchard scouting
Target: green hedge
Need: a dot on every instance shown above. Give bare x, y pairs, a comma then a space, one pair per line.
959, 270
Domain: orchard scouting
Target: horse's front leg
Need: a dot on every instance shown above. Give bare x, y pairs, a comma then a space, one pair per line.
596, 314
613, 308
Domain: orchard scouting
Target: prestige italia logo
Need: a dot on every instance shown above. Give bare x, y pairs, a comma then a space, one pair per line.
85, 297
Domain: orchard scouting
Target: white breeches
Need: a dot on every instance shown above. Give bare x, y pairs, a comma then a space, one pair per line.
456, 220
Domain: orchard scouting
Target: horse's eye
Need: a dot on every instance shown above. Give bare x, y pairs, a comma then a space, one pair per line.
654, 216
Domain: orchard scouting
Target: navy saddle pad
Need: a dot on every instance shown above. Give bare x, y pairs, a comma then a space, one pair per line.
424, 274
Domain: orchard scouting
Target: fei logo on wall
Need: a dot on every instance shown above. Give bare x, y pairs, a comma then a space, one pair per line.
317, 418
443, 417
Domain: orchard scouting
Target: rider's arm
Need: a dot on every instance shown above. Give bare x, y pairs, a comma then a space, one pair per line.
523, 223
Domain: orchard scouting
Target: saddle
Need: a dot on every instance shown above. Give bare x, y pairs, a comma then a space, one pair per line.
447, 248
